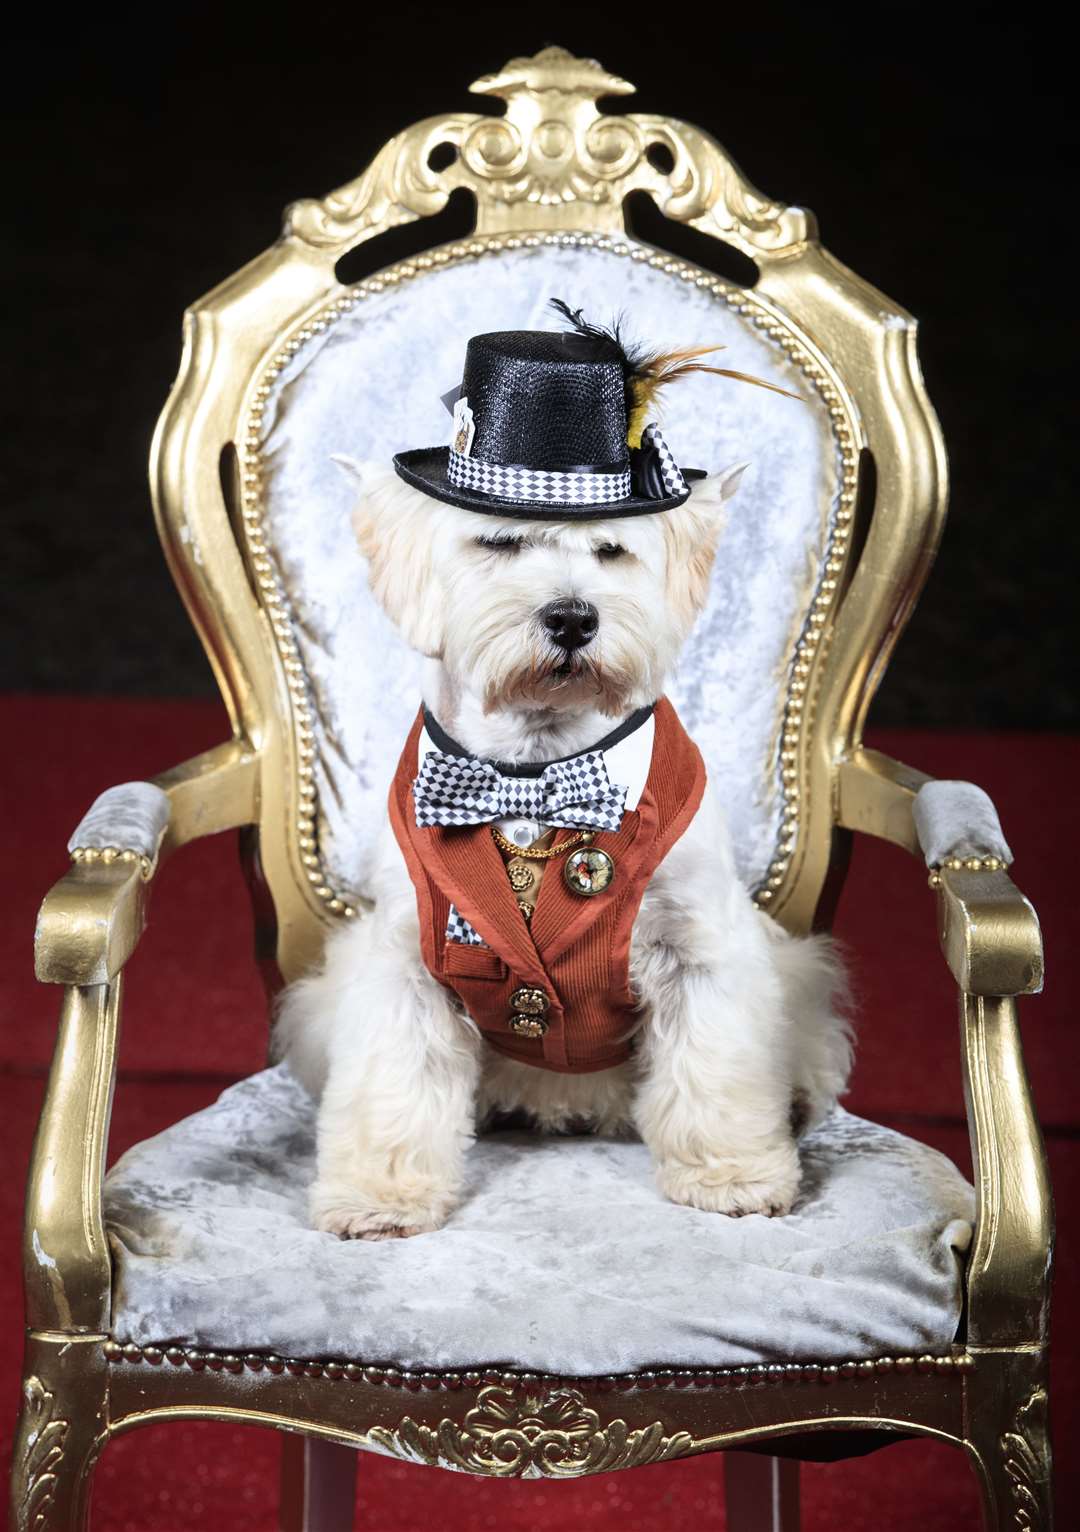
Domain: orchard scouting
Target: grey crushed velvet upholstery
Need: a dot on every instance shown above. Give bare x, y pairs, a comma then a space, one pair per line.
957, 819
131, 817
563, 1256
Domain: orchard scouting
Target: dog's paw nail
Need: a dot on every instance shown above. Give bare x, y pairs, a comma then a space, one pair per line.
349, 1220
712, 1191
395, 1231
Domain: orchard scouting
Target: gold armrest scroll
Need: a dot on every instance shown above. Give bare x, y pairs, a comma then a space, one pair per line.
90, 922
991, 940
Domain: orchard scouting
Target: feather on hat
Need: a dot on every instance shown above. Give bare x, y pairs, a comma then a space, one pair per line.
646, 373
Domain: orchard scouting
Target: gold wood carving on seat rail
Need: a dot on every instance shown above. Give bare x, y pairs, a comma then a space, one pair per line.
532, 1436
552, 149
44, 1450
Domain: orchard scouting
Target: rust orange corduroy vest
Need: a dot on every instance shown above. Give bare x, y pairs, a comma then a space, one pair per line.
577, 950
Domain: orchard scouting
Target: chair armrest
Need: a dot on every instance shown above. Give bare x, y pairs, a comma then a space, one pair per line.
955, 821
67, 1270
128, 821
91, 920
88, 927
991, 940
989, 931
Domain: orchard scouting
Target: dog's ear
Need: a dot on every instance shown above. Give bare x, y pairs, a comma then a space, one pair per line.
729, 481
395, 528
692, 531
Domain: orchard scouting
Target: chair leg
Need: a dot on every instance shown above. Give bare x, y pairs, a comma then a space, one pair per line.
1011, 1456
58, 1437
318, 1485
761, 1493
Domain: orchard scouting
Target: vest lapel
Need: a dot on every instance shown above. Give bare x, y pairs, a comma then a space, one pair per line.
563, 917
467, 866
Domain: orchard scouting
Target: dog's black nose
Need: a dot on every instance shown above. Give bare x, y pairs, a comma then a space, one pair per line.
572, 624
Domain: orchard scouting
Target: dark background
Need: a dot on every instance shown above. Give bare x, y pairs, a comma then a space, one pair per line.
144, 168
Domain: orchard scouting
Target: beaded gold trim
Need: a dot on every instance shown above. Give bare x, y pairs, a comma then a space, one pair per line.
107, 854
763, 316
966, 864
798, 707
951, 1364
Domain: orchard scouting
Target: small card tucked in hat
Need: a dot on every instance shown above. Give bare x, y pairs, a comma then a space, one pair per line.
464, 428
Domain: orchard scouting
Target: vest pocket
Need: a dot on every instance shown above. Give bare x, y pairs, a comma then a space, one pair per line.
467, 961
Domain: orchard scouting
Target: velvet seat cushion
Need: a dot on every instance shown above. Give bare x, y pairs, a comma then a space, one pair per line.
563, 1256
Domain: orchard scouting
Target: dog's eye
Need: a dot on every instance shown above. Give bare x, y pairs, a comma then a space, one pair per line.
499, 544
605, 552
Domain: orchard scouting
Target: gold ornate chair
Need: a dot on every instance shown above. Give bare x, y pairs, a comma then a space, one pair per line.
844, 515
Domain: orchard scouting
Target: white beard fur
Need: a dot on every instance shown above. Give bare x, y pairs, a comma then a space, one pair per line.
743, 1042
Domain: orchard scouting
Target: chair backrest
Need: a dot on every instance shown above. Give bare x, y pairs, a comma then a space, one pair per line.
828, 540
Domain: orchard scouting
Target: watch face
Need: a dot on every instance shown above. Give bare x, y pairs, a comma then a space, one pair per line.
589, 871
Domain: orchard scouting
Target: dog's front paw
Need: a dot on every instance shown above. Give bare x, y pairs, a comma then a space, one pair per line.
768, 1184
350, 1214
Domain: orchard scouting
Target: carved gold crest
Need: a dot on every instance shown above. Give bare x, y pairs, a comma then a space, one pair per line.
552, 151
531, 1436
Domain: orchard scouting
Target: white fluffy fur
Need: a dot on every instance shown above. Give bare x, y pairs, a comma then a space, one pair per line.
742, 1043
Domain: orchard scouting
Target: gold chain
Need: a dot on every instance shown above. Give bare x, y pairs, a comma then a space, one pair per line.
578, 838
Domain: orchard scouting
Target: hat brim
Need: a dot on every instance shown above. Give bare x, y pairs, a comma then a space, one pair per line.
427, 469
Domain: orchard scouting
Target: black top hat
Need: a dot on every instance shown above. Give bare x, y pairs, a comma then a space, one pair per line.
547, 426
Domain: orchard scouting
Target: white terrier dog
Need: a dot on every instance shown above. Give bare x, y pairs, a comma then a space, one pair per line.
740, 1046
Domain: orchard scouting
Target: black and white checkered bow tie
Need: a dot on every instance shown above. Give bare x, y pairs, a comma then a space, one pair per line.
574, 795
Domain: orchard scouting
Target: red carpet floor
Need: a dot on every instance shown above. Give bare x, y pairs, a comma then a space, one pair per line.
195, 1020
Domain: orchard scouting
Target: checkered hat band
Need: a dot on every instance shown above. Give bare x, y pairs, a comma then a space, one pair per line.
461, 790
536, 486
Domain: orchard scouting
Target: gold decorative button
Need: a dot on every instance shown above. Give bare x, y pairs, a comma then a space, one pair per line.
532, 1001
588, 871
527, 1026
522, 877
